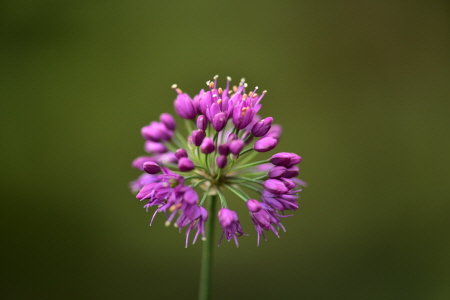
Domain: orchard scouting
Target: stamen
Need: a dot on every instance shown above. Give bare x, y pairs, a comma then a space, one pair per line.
219, 101
220, 91
244, 97
215, 80
228, 82
235, 88
179, 91
175, 206
211, 85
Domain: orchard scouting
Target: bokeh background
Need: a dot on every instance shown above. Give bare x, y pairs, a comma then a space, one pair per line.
361, 87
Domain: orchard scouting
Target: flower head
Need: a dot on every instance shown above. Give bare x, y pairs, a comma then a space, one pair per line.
224, 133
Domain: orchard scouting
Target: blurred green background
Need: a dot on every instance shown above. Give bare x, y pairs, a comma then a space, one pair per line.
362, 89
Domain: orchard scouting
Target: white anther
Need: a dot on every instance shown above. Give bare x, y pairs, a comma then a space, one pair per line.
228, 78
208, 82
174, 86
215, 77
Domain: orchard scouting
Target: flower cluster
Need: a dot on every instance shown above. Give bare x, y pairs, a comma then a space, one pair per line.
225, 133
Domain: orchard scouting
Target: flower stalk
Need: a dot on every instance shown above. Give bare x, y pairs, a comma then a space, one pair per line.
207, 254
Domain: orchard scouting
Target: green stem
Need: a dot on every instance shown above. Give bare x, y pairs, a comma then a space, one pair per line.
239, 193
252, 164
245, 151
207, 254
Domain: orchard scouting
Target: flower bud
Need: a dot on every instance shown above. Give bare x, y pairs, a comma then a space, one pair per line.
288, 183
207, 146
253, 205
190, 196
275, 186
184, 107
151, 167
221, 161
156, 132
224, 149
295, 159
236, 147
275, 131
181, 153
168, 121
291, 172
231, 137
281, 159
262, 127
152, 147
276, 172
265, 144
219, 121
198, 136
227, 217
168, 158
185, 164
202, 122
138, 163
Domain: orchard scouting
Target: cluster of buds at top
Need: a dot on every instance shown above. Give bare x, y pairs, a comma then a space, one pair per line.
224, 134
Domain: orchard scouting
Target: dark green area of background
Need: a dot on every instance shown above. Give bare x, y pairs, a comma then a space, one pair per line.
362, 90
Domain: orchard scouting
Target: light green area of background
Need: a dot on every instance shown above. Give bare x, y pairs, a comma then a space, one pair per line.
362, 89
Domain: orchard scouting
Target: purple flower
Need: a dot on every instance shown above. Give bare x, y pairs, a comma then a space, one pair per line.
275, 186
168, 121
142, 181
185, 164
151, 167
236, 146
230, 224
262, 127
183, 105
220, 121
202, 122
181, 153
138, 163
207, 146
291, 172
221, 161
156, 132
224, 149
243, 114
285, 159
276, 172
198, 136
265, 144
263, 217
152, 147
